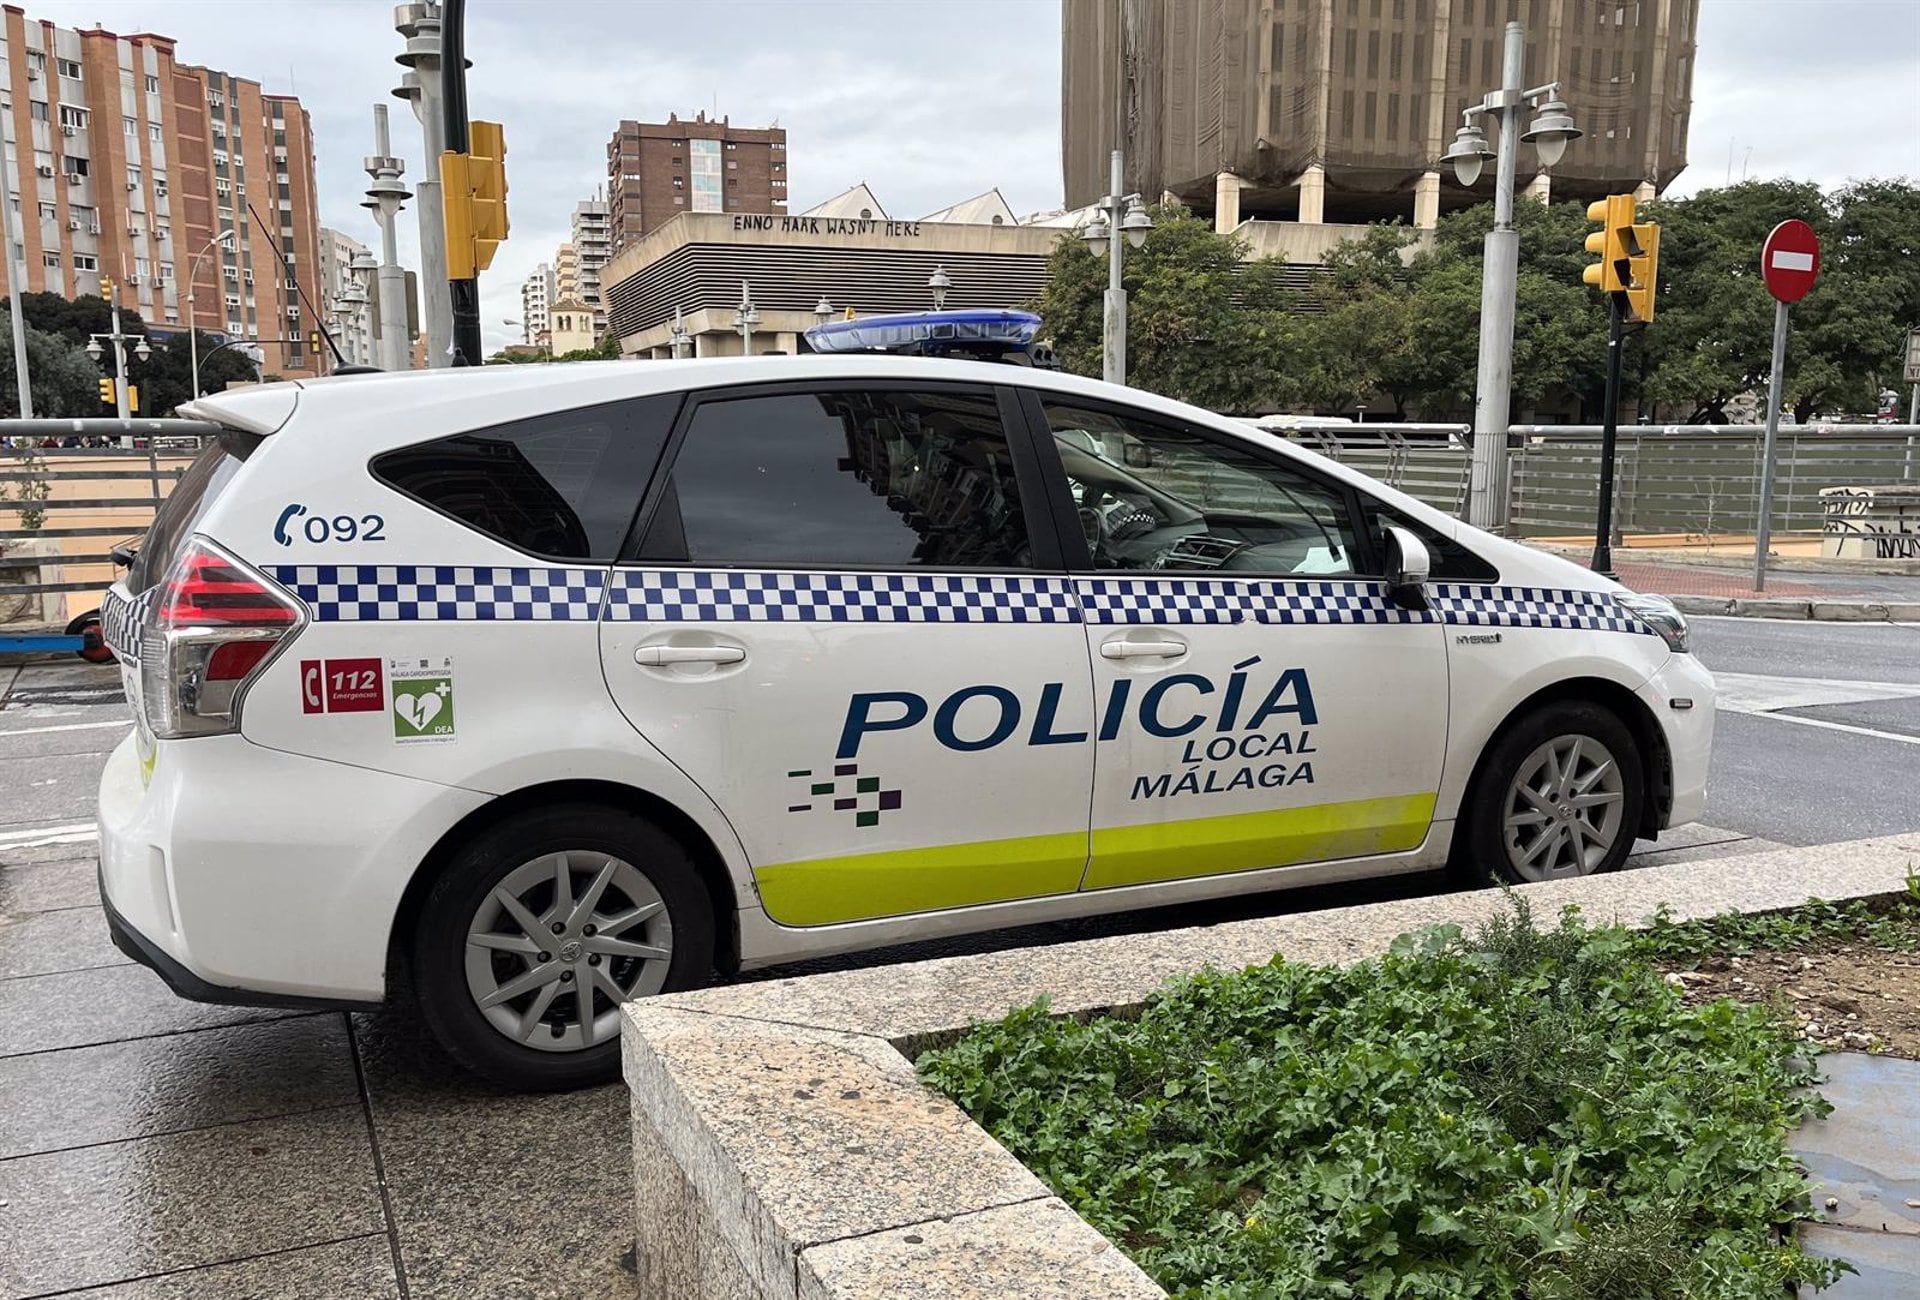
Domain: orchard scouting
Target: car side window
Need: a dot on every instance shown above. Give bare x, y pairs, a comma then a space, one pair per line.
1153, 495
843, 477
563, 485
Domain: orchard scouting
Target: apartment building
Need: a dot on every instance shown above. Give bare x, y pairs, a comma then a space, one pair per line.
130, 165
536, 297
593, 245
657, 170
347, 301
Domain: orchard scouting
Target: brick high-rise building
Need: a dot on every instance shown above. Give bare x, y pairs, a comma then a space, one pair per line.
127, 163
1339, 110
656, 170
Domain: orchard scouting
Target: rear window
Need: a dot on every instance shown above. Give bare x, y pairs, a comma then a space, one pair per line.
186, 505
563, 486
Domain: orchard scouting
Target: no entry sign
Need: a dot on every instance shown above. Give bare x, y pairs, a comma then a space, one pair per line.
1790, 260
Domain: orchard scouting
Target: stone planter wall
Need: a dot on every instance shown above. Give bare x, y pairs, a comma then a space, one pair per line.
784, 1150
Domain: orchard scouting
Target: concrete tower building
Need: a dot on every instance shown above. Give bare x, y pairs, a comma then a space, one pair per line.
1339, 110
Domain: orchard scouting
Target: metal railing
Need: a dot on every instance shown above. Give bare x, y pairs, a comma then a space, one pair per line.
1427, 461
80, 499
1704, 481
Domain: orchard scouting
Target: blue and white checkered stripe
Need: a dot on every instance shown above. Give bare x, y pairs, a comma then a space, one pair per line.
1209, 600
1474, 605
121, 620
742, 596
348, 593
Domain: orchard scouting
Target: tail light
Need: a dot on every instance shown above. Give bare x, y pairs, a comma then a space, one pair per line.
215, 624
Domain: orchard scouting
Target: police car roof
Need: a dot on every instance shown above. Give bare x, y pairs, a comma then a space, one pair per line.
471, 397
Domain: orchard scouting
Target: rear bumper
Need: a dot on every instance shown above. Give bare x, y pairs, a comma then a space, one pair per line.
250, 876
190, 986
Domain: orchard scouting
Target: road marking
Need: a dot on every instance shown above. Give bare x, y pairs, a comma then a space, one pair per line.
1841, 726
65, 726
72, 833
1764, 693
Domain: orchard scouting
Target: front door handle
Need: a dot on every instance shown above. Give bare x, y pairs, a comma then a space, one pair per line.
1142, 649
660, 656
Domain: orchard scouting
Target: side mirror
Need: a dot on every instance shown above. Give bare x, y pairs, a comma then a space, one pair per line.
1408, 565
1138, 455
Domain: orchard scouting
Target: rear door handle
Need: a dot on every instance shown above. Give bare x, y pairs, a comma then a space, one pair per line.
1142, 649
660, 656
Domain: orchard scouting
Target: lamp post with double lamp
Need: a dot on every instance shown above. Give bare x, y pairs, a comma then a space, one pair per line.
1551, 129
119, 339
745, 317
1119, 214
193, 326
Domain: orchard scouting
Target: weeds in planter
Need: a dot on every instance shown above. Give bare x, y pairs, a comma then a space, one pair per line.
1891, 923
1520, 1112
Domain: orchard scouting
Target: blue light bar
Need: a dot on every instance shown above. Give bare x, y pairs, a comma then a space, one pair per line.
929, 331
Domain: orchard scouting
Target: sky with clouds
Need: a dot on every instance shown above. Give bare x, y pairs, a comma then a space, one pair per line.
928, 101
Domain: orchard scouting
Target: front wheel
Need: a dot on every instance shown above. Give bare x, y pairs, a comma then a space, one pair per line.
541, 927
1558, 796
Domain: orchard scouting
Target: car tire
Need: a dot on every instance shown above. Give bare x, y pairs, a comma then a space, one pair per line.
473, 945
1558, 795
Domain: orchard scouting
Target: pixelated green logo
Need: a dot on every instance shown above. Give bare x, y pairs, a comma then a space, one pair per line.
423, 708
843, 789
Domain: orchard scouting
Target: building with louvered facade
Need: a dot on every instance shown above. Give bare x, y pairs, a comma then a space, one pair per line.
846, 251
1339, 110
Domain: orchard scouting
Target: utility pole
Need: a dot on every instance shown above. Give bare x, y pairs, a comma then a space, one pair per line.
463, 295
384, 197
421, 87
16, 284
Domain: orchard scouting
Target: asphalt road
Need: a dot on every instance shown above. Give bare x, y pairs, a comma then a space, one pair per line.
1818, 733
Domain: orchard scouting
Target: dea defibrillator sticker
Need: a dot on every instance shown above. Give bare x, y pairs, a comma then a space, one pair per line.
422, 699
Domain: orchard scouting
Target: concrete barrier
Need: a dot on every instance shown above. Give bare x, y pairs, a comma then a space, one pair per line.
784, 1150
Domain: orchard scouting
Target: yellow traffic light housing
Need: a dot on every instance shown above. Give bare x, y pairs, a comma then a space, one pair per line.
106, 391
1615, 215
474, 197
133, 399
1629, 255
1643, 260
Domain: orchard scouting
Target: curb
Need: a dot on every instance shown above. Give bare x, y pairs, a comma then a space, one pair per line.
1823, 611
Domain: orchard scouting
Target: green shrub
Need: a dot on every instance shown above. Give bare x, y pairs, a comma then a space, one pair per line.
1520, 1112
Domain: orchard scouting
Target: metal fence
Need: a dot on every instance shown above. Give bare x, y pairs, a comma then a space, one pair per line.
63, 508
1702, 482
1427, 461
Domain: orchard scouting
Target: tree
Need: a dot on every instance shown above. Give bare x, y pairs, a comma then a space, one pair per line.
65, 381
1194, 331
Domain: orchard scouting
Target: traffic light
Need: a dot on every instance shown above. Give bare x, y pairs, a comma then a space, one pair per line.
133, 399
473, 189
106, 391
1615, 215
1629, 255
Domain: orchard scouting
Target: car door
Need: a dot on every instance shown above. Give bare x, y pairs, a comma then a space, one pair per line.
1262, 703
846, 619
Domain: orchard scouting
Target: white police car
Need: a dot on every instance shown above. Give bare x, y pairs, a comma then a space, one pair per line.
546, 687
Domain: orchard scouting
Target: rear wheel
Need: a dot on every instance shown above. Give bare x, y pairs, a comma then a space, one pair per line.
1558, 796
93, 645
541, 927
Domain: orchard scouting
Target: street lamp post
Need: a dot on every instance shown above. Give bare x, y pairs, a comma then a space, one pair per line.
193, 326
119, 339
1549, 133
822, 311
745, 317
1119, 214
384, 197
937, 284
16, 284
677, 339
420, 86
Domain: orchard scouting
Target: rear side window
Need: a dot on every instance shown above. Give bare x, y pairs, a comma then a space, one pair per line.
564, 485
853, 478
185, 506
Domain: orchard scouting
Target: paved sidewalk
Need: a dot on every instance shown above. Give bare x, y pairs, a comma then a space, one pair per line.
1726, 586
1866, 1159
172, 1150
